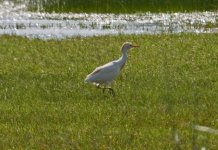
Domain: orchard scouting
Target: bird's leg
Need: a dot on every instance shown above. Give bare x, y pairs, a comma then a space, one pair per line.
99, 87
111, 91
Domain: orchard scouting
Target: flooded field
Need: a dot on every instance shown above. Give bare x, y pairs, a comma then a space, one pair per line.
17, 20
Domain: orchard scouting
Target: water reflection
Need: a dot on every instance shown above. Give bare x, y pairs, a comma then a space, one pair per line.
16, 20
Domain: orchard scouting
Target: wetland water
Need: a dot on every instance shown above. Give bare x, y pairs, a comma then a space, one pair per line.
16, 20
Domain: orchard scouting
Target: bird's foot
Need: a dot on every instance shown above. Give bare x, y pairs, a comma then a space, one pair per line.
110, 90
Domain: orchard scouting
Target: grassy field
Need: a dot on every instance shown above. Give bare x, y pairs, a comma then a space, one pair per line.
169, 85
122, 6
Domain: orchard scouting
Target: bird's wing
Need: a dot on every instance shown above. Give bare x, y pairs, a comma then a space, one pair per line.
107, 68
105, 73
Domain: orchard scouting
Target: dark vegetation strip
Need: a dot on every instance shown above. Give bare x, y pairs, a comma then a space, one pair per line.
122, 6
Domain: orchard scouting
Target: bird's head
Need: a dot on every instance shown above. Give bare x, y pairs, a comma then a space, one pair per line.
127, 46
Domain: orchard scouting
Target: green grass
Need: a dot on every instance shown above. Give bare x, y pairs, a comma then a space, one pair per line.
122, 6
168, 85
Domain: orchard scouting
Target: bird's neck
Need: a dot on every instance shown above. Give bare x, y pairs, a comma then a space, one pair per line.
122, 60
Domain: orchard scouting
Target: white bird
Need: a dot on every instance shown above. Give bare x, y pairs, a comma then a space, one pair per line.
105, 74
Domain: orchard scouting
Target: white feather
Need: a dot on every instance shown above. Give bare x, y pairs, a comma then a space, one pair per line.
107, 73
104, 74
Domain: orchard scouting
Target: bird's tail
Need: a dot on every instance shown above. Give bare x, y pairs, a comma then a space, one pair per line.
87, 79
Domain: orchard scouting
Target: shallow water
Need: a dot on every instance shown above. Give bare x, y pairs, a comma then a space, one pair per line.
16, 20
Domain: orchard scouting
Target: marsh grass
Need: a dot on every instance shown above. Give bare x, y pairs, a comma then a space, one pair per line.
167, 86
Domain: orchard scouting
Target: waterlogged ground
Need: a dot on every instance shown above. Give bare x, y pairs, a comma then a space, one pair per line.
16, 20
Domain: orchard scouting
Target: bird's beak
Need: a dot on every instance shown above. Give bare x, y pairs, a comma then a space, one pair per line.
135, 46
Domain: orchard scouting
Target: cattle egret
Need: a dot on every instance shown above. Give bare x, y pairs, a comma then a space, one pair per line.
103, 76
